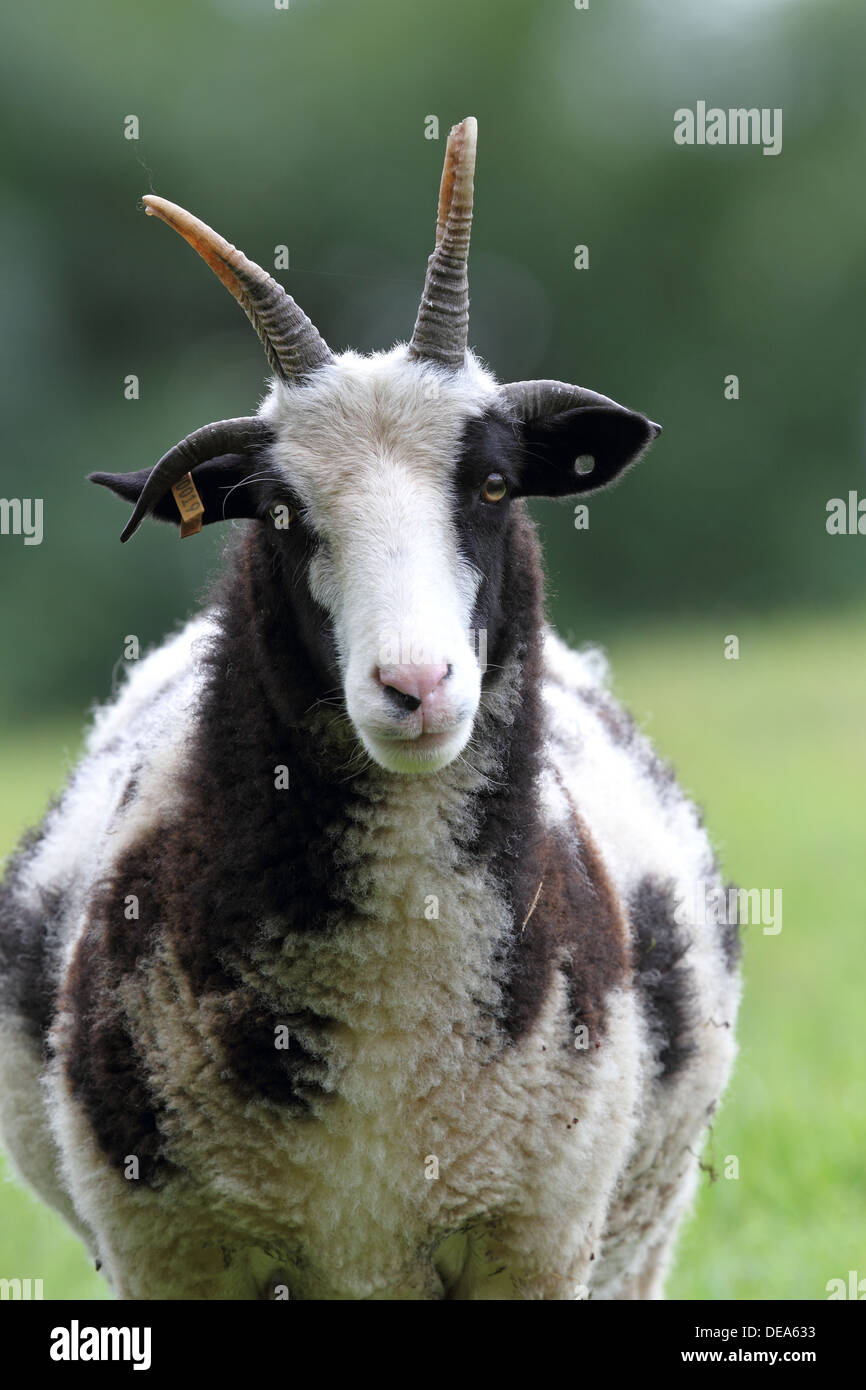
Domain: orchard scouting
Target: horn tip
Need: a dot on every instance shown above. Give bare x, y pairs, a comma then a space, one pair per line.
155, 206
463, 137
131, 526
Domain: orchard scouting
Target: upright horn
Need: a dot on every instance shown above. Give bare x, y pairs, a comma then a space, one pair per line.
442, 327
294, 347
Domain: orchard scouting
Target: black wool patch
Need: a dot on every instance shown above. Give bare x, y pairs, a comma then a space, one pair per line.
103, 1059
29, 945
663, 977
265, 1061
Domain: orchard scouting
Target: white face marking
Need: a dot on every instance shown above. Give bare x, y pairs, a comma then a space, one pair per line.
369, 445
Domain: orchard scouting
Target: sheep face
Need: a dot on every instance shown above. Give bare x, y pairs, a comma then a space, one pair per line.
370, 461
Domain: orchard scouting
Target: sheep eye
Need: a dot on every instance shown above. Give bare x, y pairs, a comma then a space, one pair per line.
495, 488
282, 515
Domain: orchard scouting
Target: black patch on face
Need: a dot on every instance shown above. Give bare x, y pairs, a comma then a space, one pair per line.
485, 530
664, 981
294, 629
29, 946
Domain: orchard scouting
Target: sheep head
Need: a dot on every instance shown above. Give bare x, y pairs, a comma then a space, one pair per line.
389, 481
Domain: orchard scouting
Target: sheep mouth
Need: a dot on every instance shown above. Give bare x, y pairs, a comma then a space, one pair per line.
419, 752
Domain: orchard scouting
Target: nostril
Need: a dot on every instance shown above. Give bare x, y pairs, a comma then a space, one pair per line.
401, 699
408, 685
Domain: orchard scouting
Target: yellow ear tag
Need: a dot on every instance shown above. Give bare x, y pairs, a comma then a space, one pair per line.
190, 506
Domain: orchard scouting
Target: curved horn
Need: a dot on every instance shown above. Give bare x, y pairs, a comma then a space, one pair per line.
223, 437
295, 348
442, 326
531, 400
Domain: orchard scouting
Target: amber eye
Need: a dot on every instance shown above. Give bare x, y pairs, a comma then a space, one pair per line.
282, 514
495, 488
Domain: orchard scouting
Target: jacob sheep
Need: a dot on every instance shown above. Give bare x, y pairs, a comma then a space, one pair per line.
350, 964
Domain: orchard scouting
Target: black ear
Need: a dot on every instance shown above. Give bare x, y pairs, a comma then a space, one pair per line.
222, 483
582, 449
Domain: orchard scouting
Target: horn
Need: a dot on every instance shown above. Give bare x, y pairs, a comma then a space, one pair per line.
224, 437
442, 326
532, 400
294, 347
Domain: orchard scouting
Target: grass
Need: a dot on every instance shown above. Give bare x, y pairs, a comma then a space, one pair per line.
774, 746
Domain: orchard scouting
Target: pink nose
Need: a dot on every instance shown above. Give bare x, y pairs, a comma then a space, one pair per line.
413, 682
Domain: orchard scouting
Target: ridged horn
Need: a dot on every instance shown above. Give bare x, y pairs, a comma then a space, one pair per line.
223, 437
532, 400
294, 347
442, 327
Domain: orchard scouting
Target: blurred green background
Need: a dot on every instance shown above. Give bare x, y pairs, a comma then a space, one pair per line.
306, 127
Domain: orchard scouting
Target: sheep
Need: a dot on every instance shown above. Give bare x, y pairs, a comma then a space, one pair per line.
353, 962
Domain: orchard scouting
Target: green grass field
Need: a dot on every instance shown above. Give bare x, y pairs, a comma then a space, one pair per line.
774, 747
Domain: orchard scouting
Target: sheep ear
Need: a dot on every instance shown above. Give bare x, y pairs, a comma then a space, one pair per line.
222, 484
580, 450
